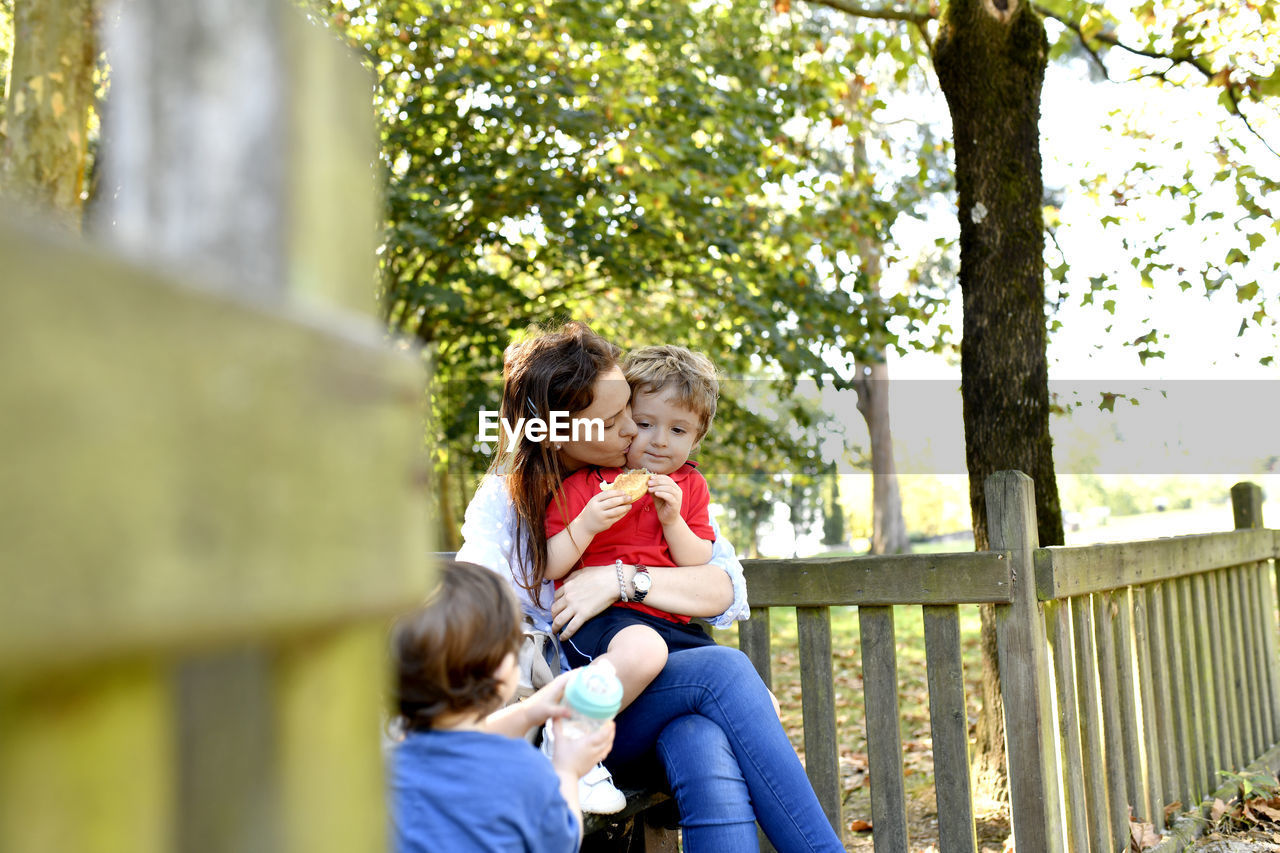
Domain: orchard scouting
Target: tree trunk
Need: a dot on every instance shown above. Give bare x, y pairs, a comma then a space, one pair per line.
450, 531
47, 112
888, 530
990, 58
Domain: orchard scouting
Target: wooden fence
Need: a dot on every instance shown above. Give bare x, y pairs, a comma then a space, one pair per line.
212, 481
1131, 673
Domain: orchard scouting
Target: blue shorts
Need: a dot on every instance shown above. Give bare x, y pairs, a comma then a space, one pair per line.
593, 638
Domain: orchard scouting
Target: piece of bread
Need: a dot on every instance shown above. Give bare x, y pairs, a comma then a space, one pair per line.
634, 483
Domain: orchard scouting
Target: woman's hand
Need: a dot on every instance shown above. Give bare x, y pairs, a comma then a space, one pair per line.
585, 594
667, 498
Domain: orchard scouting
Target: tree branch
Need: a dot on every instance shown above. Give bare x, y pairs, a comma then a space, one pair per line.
1075, 28
920, 19
1196, 62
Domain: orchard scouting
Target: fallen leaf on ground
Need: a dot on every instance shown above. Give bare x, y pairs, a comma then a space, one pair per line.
1142, 836
860, 826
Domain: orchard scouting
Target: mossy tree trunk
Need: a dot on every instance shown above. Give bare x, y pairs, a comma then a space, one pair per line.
990, 57
50, 93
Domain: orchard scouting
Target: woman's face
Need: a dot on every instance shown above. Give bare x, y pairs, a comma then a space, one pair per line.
610, 404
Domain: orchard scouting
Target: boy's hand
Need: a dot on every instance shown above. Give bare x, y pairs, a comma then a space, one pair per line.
545, 704
667, 497
579, 755
602, 511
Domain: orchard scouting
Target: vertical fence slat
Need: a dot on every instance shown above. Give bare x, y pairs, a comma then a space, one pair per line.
1267, 606
1214, 699
1210, 749
1226, 647
1178, 699
1057, 616
1154, 787
754, 640
1113, 743
884, 738
1195, 661
949, 724
1245, 688
1256, 638
1094, 766
1034, 793
321, 762
1166, 741
1135, 776
1262, 667
96, 744
821, 757
1271, 594
1250, 694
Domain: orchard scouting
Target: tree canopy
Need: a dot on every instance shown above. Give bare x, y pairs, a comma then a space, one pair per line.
651, 168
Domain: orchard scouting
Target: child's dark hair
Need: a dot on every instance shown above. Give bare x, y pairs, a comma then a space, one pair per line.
445, 652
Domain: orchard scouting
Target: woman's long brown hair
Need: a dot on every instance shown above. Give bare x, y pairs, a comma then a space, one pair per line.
554, 371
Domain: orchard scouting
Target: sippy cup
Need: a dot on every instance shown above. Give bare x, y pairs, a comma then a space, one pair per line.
593, 695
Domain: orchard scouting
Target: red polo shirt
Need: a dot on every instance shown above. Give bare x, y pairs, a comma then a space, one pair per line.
636, 537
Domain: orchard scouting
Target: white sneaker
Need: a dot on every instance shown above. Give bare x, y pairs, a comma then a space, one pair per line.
597, 794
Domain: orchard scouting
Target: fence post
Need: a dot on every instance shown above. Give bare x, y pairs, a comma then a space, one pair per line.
1024, 669
1246, 508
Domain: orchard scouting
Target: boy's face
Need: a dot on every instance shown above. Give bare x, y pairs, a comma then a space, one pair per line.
668, 432
508, 676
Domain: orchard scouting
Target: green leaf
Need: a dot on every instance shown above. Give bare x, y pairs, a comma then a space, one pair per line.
1270, 86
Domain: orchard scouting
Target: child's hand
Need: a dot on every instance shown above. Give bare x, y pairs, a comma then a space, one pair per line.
579, 755
545, 704
602, 511
667, 497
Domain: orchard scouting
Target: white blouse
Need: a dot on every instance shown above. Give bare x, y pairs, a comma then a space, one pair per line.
489, 539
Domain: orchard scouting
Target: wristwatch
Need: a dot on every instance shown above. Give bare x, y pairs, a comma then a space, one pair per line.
642, 581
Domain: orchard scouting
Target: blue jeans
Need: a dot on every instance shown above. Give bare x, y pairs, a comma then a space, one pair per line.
727, 758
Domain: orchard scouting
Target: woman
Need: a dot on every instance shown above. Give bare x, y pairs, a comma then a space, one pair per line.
708, 717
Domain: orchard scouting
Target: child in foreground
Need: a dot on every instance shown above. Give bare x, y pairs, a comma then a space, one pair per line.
673, 401
463, 779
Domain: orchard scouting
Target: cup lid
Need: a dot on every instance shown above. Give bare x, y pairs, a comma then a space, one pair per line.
594, 691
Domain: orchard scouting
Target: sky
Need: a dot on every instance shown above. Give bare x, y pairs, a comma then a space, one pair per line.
1208, 407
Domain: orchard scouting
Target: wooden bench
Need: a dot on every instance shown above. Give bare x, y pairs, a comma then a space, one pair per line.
647, 825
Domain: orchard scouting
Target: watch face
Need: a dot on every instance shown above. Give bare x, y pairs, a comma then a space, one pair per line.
642, 581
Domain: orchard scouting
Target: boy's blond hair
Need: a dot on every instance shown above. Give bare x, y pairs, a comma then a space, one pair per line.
691, 375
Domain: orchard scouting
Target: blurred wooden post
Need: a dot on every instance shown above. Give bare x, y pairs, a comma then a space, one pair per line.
1024, 669
1246, 507
216, 499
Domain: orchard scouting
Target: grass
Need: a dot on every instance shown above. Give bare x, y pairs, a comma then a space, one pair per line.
913, 698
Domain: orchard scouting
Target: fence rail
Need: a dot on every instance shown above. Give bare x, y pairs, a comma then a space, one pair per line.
1132, 673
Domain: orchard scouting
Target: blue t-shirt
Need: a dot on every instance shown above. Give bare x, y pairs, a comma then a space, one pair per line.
462, 791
